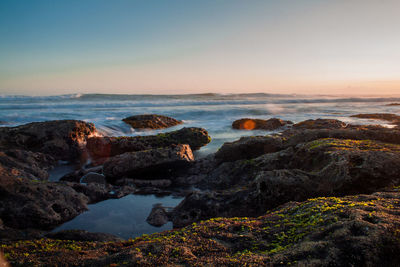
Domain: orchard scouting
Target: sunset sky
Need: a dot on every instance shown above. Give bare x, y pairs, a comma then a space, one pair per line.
173, 47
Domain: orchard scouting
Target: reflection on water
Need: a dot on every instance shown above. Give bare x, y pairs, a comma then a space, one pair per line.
61, 169
124, 217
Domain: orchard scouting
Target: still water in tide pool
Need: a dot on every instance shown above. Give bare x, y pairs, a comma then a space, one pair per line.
124, 217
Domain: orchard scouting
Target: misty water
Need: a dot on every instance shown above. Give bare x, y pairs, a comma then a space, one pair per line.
126, 217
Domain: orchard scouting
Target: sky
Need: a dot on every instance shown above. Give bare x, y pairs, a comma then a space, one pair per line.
178, 47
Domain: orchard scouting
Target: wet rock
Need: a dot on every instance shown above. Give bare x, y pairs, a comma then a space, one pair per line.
379, 116
151, 121
26, 164
158, 216
93, 177
33, 204
248, 147
324, 167
82, 235
62, 139
320, 124
258, 124
160, 183
104, 147
96, 192
355, 132
360, 230
148, 164
77, 175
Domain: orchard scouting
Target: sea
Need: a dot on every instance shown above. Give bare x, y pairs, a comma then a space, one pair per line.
126, 217
214, 112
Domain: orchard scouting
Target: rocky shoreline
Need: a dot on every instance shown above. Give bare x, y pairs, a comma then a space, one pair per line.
320, 192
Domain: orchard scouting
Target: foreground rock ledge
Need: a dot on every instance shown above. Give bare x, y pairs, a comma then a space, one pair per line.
359, 230
151, 121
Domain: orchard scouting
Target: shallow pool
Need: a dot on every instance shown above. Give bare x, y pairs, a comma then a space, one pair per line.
124, 217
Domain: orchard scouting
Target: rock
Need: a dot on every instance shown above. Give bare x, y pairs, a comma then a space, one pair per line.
158, 216
230, 175
104, 147
160, 183
77, 175
26, 164
96, 192
393, 104
151, 121
360, 230
93, 177
62, 139
355, 132
248, 147
33, 204
258, 124
323, 167
379, 116
82, 235
320, 124
148, 164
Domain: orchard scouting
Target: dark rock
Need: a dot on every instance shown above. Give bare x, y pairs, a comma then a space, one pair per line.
96, 192
82, 235
324, 167
93, 177
248, 147
63, 139
320, 124
77, 175
379, 116
158, 216
359, 230
355, 132
161, 183
258, 124
43, 205
104, 147
149, 163
26, 164
151, 121
242, 172
393, 104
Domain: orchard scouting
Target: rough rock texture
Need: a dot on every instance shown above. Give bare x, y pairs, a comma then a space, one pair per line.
76, 176
28, 204
361, 230
395, 119
62, 139
355, 132
248, 147
104, 147
158, 216
148, 164
151, 121
160, 183
258, 124
320, 124
26, 164
93, 177
323, 167
82, 235
96, 192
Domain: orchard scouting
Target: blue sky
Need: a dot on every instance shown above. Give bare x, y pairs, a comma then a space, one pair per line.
304, 46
